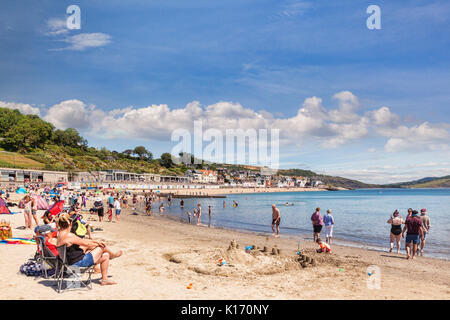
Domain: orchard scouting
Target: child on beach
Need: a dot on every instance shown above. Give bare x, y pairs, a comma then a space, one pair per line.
189, 216
161, 208
324, 247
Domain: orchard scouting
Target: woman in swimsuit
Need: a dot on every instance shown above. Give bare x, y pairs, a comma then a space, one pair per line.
396, 222
83, 252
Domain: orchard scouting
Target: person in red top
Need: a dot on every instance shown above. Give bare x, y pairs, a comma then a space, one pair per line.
49, 235
414, 233
324, 247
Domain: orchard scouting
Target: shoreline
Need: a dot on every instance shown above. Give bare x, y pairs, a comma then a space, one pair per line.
304, 236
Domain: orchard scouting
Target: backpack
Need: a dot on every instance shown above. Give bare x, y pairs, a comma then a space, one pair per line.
79, 228
31, 268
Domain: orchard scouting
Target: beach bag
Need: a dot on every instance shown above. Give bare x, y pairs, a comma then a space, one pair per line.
79, 228
5, 231
31, 268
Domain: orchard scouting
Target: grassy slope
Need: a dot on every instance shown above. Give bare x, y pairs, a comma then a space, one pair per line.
16, 160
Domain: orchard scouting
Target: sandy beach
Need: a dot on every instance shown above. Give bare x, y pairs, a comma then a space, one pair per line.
162, 256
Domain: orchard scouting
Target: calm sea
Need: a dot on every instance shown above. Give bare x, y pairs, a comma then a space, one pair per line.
360, 215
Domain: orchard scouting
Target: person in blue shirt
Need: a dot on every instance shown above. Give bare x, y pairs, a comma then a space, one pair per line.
329, 223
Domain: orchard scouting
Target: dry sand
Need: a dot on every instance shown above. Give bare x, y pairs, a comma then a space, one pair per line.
163, 256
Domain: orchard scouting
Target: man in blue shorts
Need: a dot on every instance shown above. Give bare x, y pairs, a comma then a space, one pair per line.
414, 233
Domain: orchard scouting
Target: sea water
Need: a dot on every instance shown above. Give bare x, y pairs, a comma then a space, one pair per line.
360, 215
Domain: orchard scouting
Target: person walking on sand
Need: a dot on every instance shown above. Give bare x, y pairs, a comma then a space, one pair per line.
414, 232
396, 222
34, 210
275, 220
27, 211
117, 208
426, 228
329, 223
317, 222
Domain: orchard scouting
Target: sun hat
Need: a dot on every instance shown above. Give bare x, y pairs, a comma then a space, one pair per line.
45, 228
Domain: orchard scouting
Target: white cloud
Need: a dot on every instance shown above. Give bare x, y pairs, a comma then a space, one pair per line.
70, 114
417, 138
384, 117
83, 41
57, 26
22, 107
313, 123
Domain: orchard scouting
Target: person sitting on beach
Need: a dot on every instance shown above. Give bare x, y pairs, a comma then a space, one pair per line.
49, 235
83, 252
317, 223
275, 220
80, 227
414, 233
396, 222
324, 247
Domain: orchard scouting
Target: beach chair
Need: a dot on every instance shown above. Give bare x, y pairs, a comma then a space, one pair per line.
46, 257
74, 273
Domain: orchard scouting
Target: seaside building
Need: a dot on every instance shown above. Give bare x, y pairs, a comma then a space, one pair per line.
28, 175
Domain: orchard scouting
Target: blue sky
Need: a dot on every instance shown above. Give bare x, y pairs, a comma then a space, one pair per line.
256, 62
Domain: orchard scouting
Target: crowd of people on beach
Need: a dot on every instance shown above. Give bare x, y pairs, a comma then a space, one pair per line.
63, 224
415, 226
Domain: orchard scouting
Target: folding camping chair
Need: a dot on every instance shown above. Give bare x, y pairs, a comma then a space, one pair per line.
46, 256
73, 272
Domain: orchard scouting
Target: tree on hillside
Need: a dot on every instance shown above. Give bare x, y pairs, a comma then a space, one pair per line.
29, 132
166, 160
143, 153
69, 137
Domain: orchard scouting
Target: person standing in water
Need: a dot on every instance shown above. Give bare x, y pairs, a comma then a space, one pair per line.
317, 223
414, 233
209, 216
396, 222
275, 220
426, 228
199, 214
